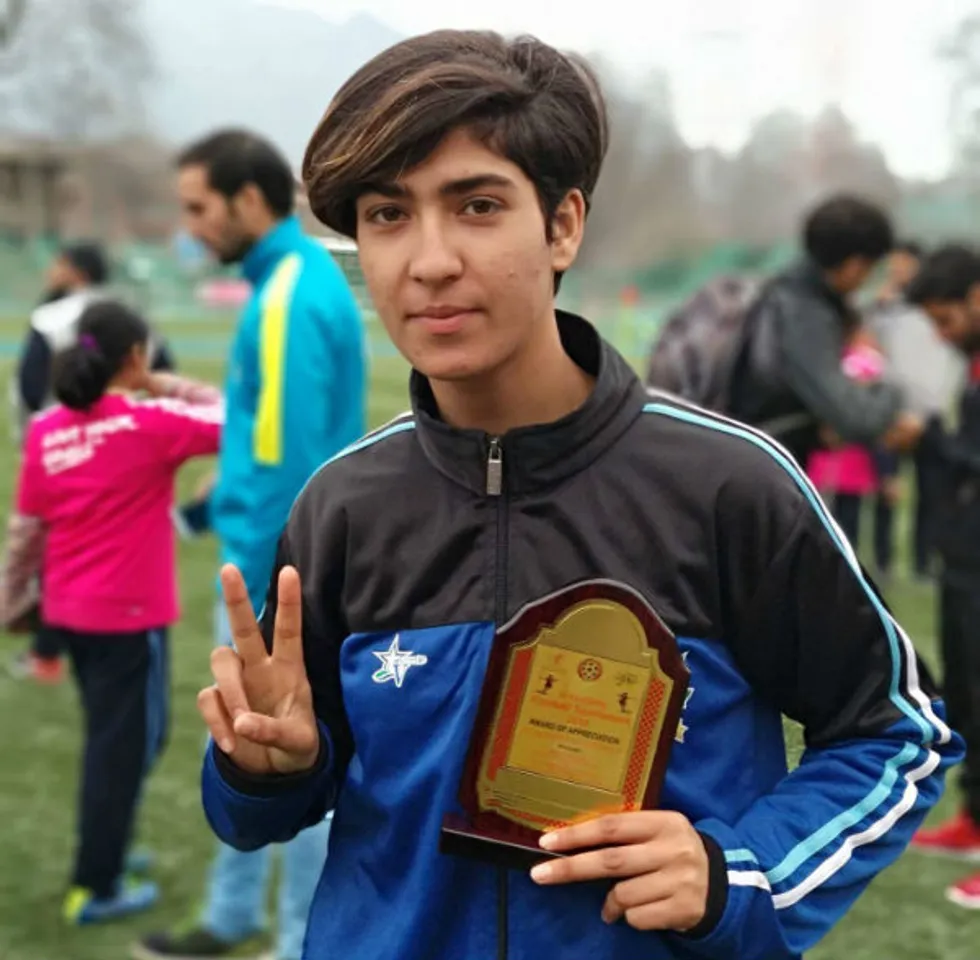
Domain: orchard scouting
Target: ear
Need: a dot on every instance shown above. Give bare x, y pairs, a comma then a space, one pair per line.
249, 201
973, 298
567, 228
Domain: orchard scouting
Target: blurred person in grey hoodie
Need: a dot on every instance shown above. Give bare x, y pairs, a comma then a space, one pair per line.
930, 372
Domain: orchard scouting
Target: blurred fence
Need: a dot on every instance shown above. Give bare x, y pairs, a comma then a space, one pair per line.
197, 304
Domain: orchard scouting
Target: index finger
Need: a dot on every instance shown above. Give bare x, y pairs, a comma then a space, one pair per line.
616, 829
287, 637
241, 618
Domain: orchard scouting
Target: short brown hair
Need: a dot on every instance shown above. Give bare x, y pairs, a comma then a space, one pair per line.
541, 109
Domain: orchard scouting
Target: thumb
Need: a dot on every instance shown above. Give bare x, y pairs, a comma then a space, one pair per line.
292, 735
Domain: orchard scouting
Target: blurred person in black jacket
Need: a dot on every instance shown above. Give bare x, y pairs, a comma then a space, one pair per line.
948, 289
801, 320
78, 274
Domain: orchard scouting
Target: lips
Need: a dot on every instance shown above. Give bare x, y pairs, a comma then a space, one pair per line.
442, 319
439, 311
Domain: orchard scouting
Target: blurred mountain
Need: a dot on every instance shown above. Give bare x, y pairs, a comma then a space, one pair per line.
273, 69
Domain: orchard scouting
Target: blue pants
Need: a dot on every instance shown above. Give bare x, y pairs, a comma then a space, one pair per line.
239, 881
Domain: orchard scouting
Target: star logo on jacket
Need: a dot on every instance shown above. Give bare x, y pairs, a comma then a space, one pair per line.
395, 662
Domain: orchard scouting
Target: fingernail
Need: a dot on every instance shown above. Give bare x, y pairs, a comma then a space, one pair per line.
549, 841
541, 873
606, 917
227, 745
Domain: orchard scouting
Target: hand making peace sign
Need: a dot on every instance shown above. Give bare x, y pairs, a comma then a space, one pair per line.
260, 708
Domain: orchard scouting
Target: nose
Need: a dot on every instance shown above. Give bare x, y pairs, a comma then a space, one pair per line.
435, 259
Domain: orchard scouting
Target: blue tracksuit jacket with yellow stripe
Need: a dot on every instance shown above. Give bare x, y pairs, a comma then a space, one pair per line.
295, 394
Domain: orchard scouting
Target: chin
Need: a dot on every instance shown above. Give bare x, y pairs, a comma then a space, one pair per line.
451, 364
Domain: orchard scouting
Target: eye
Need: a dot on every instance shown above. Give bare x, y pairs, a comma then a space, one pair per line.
481, 206
385, 214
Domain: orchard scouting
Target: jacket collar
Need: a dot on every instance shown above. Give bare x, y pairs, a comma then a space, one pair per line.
539, 456
808, 274
281, 240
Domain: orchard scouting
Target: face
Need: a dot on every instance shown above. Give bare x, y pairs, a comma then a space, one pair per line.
62, 275
852, 274
952, 321
211, 218
902, 268
458, 262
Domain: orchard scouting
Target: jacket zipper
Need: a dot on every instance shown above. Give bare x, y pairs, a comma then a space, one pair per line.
495, 488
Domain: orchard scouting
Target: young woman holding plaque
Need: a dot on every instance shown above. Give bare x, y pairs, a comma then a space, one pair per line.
534, 463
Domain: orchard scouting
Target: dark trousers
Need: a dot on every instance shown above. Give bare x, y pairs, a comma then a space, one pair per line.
959, 627
884, 533
929, 475
847, 512
125, 691
928, 491
46, 643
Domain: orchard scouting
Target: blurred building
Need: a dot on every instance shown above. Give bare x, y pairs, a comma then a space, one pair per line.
30, 180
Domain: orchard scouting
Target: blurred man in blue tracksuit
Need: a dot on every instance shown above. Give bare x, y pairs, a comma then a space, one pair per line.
296, 395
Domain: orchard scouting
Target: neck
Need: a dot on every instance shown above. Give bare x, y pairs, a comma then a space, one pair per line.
539, 384
120, 384
265, 226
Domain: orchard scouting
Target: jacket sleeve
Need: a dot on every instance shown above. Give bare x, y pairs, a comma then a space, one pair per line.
959, 453
811, 346
163, 359
248, 812
310, 332
34, 371
814, 639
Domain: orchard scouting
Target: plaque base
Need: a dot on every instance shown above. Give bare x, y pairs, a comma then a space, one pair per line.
460, 838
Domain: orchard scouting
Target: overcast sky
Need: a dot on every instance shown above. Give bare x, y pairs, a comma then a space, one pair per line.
733, 60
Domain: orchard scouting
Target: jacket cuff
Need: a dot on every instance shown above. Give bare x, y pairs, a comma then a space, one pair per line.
270, 785
717, 890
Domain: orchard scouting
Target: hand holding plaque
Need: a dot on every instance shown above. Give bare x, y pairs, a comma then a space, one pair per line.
580, 705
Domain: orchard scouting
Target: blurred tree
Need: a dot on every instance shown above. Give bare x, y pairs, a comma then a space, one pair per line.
840, 161
646, 201
78, 69
766, 192
11, 15
960, 51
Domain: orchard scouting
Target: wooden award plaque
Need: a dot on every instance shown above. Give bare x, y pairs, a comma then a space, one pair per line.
580, 704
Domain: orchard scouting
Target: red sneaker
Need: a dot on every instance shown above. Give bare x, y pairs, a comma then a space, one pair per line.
48, 669
966, 893
958, 837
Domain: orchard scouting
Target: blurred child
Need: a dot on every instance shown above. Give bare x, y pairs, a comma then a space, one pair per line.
848, 472
93, 511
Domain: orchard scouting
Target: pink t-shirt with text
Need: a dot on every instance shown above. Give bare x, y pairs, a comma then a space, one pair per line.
102, 483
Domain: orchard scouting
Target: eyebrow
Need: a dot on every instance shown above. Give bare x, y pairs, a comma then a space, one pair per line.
452, 189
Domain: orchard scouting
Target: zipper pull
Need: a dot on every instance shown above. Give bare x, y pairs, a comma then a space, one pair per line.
495, 469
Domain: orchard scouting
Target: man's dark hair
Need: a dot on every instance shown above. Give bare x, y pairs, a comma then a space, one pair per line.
88, 258
541, 109
945, 276
912, 247
845, 226
234, 158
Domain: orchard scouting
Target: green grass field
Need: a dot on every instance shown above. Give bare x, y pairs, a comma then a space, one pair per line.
902, 917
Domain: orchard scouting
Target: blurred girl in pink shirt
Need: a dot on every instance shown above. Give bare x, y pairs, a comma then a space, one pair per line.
849, 473
93, 514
